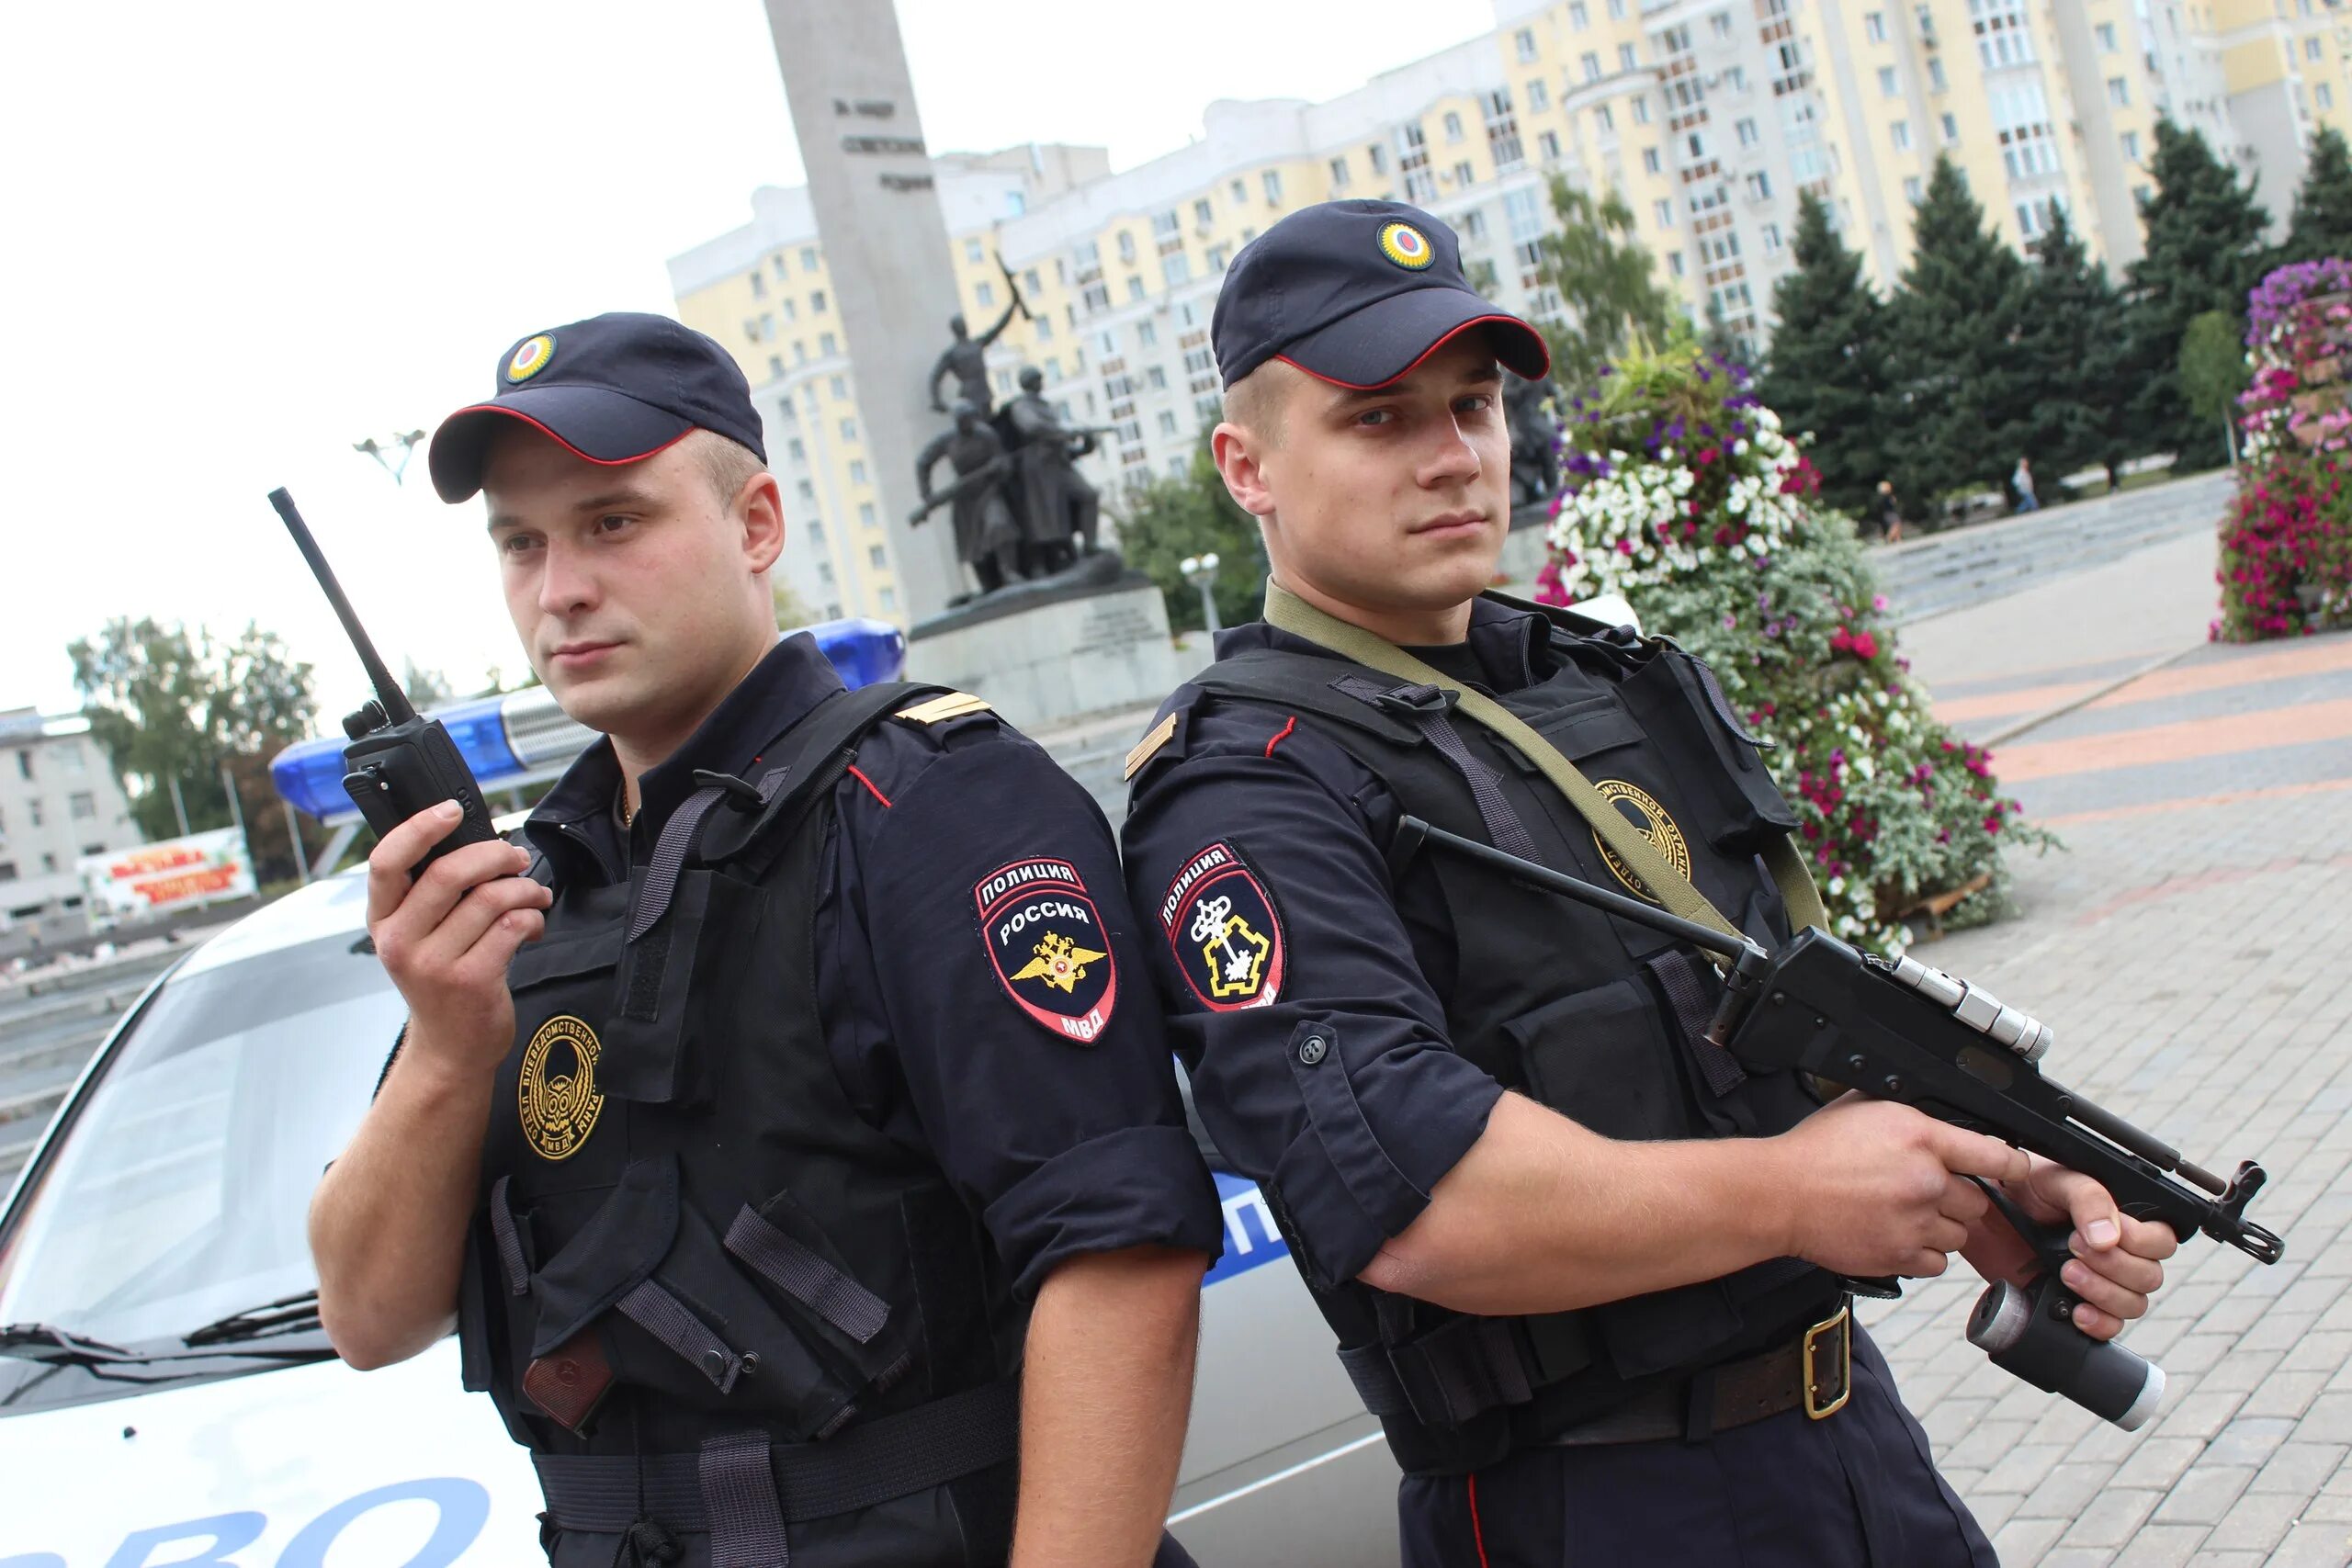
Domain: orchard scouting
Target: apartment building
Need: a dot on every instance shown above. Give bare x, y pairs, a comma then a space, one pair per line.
59, 801
1710, 116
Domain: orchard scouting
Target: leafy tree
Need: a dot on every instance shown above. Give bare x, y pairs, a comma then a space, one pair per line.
1170, 519
2205, 250
792, 612
425, 688
1605, 279
1827, 375
1961, 409
170, 705
2322, 225
2069, 355
2214, 371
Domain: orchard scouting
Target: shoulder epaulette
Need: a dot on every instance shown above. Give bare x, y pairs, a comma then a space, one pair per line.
940, 709
1148, 747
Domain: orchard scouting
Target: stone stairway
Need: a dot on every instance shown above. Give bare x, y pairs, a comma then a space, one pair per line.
1967, 566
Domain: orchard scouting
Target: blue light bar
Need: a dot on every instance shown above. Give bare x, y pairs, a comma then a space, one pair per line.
523, 737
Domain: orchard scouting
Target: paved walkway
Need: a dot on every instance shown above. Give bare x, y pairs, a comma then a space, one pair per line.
2190, 947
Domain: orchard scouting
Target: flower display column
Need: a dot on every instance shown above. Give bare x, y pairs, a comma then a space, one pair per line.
2286, 557
1683, 495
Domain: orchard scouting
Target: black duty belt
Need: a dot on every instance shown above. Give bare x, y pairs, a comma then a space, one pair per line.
1813, 1372
869, 1463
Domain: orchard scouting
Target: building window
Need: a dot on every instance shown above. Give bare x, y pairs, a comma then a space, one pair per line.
1874, 26
1452, 125
1146, 335
866, 516
887, 598
24, 764
1339, 173
2106, 31
2131, 145
1771, 238
1127, 247
1137, 292
1759, 186
1539, 97
1628, 59
2325, 94
775, 365
1651, 163
759, 287
828, 344
2119, 92
1604, 121
1640, 112
2310, 52
878, 558
1239, 191
985, 292
2003, 36
808, 491
808, 258
1589, 63
1721, 24
849, 430
1464, 175
1547, 145
1911, 190
1175, 268
1377, 156
1936, 72
1888, 86
1900, 133
857, 472
1745, 131
1045, 325
1664, 212
82, 804
1951, 130
1674, 263
1272, 180
1523, 41
973, 253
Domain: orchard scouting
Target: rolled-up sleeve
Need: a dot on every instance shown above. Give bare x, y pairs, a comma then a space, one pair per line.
1334, 1085
1007, 1005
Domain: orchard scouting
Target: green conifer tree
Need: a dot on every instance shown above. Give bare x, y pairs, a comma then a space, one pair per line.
1828, 372
2069, 358
2205, 250
1960, 408
2321, 226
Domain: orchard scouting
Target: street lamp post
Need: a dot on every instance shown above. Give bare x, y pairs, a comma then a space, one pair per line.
402, 446
1201, 572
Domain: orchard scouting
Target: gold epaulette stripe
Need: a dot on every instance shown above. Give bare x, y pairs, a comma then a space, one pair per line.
1148, 747
939, 710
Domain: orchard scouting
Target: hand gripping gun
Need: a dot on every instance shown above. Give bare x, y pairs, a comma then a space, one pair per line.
400, 762
1903, 1032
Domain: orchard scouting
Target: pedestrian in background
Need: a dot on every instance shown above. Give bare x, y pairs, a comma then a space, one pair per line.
2023, 482
1886, 514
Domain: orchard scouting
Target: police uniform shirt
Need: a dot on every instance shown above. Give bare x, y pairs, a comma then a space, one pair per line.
1306, 827
1061, 1145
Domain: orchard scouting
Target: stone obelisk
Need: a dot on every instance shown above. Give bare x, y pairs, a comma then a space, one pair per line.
886, 244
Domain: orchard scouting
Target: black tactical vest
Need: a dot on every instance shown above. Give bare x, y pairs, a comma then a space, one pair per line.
702, 1288
1597, 1018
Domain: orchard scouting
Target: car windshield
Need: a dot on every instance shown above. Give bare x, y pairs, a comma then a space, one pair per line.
178, 1195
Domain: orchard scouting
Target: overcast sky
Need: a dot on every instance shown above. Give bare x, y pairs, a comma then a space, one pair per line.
243, 236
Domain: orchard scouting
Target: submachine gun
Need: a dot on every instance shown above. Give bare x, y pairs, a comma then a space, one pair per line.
1903, 1032
400, 762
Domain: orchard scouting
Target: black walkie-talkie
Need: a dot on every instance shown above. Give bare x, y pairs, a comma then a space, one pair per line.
399, 762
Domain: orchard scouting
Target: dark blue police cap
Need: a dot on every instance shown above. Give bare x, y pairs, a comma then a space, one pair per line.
614, 388
1357, 293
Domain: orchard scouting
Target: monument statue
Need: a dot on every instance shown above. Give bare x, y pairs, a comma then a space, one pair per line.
988, 539
1534, 438
1056, 500
967, 358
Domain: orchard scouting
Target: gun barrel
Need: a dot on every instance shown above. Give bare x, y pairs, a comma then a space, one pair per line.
2147, 1145
388, 691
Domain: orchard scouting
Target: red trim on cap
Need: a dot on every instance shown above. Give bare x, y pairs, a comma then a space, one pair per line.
1474, 322
558, 438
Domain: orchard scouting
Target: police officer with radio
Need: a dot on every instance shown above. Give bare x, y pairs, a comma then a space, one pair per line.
796, 1146
1591, 1276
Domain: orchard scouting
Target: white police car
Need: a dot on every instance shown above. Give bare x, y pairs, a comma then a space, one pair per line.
167, 1399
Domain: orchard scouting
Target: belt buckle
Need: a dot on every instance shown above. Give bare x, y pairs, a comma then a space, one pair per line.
1841, 1325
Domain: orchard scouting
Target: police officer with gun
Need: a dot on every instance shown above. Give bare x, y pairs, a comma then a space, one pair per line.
796, 1146
1592, 1275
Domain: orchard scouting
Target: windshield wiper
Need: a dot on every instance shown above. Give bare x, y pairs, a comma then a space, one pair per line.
47, 1342
287, 1315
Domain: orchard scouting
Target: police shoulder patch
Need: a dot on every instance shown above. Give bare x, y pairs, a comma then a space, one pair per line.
1048, 946
1222, 926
